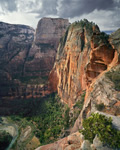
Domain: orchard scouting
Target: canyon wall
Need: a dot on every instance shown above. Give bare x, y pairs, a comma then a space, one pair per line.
27, 56
15, 42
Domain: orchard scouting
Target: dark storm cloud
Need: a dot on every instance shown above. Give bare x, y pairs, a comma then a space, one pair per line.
73, 8
49, 7
8, 5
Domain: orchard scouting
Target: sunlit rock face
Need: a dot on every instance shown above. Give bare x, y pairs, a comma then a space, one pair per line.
87, 60
83, 54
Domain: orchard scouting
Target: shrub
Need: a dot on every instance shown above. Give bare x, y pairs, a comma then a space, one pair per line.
67, 118
5, 139
101, 126
100, 106
80, 102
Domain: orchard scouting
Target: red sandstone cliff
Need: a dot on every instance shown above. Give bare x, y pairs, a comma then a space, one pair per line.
83, 54
87, 59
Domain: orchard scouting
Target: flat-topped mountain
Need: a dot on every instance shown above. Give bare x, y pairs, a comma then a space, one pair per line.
43, 51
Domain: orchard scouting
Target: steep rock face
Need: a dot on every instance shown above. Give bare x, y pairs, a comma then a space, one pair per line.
102, 91
94, 67
15, 42
43, 51
83, 54
28, 58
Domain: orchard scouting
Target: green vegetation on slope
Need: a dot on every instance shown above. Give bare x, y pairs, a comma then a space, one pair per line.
101, 126
5, 139
102, 37
100, 106
85, 24
48, 118
49, 122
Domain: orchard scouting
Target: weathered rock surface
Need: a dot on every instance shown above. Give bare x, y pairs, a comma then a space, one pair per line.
84, 57
99, 145
72, 142
115, 40
101, 91
86, 145
43, 51
83, 54
26, 59
75, 142
15, 42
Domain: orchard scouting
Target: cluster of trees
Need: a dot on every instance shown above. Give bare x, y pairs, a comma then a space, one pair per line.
5, 139
101, 126
52, 120
48, 116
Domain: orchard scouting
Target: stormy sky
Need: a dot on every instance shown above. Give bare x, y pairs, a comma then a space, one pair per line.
105, 13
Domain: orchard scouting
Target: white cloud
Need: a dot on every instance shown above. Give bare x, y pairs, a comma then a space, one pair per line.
103, 13
20, 18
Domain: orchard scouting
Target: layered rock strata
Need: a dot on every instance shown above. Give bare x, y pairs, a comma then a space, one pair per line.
27, 56
43, 51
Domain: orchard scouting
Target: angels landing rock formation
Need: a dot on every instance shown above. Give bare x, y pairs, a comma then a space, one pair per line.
83, 54
87, 60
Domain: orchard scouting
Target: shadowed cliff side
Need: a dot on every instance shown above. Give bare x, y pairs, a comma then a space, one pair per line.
27, 58
43, 51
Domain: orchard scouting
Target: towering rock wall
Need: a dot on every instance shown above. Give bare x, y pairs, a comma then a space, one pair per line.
43, 51
87, 60
83, 54
15, 42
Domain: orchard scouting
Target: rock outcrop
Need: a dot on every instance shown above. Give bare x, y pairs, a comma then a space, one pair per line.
88, 60
83, 54
43, 51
